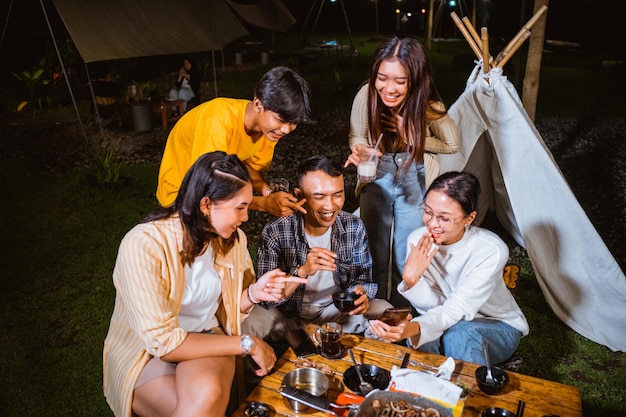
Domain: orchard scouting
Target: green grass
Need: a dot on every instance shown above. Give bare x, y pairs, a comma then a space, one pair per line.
60, 235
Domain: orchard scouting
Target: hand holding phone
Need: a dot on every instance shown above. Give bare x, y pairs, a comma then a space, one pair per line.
394, 316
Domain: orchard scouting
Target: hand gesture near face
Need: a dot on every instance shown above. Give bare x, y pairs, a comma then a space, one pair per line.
418, 260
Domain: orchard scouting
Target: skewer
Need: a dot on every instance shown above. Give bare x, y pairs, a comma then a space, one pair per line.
523, 34
485, 40
466, 34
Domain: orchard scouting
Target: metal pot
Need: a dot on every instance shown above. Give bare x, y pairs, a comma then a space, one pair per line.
310, 380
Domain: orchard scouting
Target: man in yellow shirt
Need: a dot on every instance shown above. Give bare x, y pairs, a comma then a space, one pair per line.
249, 129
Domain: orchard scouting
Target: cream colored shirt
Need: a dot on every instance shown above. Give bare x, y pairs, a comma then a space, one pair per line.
149, 279
442, 136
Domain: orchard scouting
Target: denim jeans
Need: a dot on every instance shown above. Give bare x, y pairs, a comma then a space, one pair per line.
464, 341
390, 213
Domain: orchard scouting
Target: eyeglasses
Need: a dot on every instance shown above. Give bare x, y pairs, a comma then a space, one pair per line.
444, 222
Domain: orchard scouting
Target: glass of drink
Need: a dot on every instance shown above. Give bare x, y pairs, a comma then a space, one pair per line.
368, 162
329, 337
279, 184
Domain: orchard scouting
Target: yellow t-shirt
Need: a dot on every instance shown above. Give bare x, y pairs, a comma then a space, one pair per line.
217, 125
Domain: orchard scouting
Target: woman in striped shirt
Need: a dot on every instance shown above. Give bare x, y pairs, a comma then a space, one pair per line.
184, 282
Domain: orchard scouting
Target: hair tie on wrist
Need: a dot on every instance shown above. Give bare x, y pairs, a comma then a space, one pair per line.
252, 300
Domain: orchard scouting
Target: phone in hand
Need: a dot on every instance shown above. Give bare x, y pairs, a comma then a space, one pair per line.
394, 316
301, 342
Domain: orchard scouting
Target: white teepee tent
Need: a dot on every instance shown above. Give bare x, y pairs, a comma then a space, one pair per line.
579, 277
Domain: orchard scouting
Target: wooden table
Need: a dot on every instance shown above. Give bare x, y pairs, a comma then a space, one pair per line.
542, 397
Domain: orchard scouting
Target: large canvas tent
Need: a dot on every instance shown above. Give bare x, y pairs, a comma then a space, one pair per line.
578, 276
117, 29
267, 14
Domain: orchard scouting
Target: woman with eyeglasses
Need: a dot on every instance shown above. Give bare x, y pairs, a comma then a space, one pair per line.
184, 282
453, 278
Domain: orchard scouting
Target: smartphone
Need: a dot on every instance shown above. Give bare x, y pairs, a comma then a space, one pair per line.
301, 342
393, 316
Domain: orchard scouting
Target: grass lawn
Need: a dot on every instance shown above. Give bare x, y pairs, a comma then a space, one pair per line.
60, 235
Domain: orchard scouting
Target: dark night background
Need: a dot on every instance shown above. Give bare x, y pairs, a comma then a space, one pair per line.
596, 26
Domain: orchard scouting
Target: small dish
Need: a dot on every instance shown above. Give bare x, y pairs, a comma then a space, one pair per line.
500, 377
344, 300
496, 412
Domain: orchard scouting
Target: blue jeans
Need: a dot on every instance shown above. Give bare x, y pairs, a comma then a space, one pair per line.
464, 341
389, 209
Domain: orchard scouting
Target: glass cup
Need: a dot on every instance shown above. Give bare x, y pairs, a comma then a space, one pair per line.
368, 162
329, 336
279, 184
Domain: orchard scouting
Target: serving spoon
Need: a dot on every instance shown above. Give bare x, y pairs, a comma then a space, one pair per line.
364, 386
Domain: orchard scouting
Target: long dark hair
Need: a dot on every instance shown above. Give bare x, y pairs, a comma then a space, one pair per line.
461, 187
417, 110
217, 176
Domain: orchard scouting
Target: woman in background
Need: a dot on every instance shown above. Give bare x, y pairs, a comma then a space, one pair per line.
184, 282
401, 105
187, 84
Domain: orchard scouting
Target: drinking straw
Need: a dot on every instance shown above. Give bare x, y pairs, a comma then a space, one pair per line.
378, 141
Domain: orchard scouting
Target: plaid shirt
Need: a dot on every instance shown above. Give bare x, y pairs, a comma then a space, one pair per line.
283, 245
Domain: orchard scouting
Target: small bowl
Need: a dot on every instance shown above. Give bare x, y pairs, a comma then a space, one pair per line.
310, 380
378, 377
344, 300
496, 412
500, 377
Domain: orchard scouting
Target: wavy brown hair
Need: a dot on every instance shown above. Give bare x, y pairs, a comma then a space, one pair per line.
217, 176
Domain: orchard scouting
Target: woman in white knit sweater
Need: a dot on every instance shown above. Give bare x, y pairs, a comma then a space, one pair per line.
453, 278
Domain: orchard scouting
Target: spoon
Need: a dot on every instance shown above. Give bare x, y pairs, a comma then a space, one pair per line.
488, 378
364, 386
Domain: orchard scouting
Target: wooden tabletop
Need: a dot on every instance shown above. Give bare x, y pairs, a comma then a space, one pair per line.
542, 397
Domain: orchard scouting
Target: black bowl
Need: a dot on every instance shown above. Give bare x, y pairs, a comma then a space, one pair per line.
496, 412
500, 377
378, 377
344, 300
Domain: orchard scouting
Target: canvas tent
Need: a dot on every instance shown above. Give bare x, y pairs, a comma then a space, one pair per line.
117, 29
578, 276
267, 14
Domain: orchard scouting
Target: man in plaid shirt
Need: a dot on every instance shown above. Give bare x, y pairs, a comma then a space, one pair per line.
329, 247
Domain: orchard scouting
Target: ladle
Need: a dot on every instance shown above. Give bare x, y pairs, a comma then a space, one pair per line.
364, 386
488, 377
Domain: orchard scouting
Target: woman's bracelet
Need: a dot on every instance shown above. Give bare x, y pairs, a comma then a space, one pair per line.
252, 300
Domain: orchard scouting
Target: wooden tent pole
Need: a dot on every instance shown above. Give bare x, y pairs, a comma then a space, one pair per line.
519, 40
471, 30
466, 34
485, 41
524, 31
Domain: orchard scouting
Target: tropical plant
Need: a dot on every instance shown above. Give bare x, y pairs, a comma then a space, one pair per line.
34, 81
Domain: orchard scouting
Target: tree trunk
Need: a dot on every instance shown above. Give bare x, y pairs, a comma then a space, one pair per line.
533, 63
